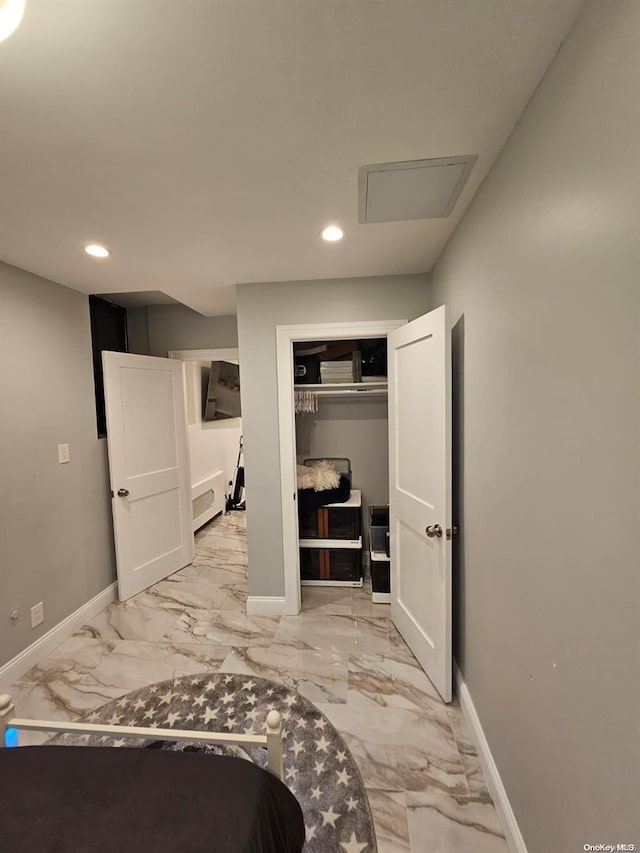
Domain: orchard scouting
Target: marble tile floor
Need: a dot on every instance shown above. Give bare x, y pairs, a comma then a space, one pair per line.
416, 755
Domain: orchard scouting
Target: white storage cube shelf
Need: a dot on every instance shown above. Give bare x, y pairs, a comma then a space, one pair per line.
321, 548
356, 544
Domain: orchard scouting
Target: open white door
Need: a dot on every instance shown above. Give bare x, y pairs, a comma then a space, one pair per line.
419, 366
149, 468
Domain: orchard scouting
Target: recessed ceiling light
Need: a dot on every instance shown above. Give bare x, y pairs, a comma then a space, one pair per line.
97, 251
11, 12
332, 233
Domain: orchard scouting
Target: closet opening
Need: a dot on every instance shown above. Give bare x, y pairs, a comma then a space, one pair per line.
340, 401
334, 458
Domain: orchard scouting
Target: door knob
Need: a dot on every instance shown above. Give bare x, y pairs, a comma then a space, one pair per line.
434, 530
123, 493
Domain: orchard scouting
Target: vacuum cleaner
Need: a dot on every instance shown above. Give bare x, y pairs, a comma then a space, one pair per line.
235, 498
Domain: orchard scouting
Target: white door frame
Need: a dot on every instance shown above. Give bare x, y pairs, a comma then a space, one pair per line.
285, 336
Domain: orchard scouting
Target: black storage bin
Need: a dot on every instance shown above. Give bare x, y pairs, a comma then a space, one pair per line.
336, 564
380, 575
329, 522
374, 357
306, 370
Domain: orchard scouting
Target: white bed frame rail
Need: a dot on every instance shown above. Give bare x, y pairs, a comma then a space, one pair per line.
272, 739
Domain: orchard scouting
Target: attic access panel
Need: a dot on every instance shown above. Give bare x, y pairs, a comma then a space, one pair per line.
415, 189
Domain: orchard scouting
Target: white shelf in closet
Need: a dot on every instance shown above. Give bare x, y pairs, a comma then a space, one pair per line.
352, 544
355, 499
366, 390
379, 557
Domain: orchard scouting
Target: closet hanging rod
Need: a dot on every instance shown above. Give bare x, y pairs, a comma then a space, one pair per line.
356, 395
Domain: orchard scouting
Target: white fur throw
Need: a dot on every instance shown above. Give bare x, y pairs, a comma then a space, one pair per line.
320, 476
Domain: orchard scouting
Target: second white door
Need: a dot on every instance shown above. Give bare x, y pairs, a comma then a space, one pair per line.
420, 491
149, 468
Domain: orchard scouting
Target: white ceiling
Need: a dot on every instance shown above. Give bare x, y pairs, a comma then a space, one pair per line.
206, 142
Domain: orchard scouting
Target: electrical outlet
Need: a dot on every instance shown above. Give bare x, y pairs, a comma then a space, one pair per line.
63, 453
37, 614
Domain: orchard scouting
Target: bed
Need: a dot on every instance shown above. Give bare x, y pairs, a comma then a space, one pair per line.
91, 799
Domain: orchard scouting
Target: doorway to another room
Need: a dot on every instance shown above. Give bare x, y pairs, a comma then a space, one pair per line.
171, 461
214, 435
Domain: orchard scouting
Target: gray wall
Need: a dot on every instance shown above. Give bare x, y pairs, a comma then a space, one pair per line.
157, 329
138, 330
542, 277
56, 543
357, 429
262, 307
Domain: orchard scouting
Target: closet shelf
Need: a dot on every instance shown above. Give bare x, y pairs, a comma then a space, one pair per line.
347, 389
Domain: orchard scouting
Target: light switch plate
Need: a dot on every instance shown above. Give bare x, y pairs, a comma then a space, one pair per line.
37, 614
63, 453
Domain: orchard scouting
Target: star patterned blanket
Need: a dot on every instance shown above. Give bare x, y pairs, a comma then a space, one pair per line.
319, 769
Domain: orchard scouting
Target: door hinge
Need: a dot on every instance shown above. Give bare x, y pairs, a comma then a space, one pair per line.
451, 531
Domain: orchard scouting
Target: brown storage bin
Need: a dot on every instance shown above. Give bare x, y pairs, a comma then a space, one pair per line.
335, 564
330, 523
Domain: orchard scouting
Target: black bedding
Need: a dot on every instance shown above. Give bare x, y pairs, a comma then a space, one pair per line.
75, 799
308, 499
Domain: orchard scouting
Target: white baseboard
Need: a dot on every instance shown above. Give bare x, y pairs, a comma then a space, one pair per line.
507, 818
47, 643
266, 605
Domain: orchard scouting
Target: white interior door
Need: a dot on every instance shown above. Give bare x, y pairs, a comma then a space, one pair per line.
419, 366
149, 468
